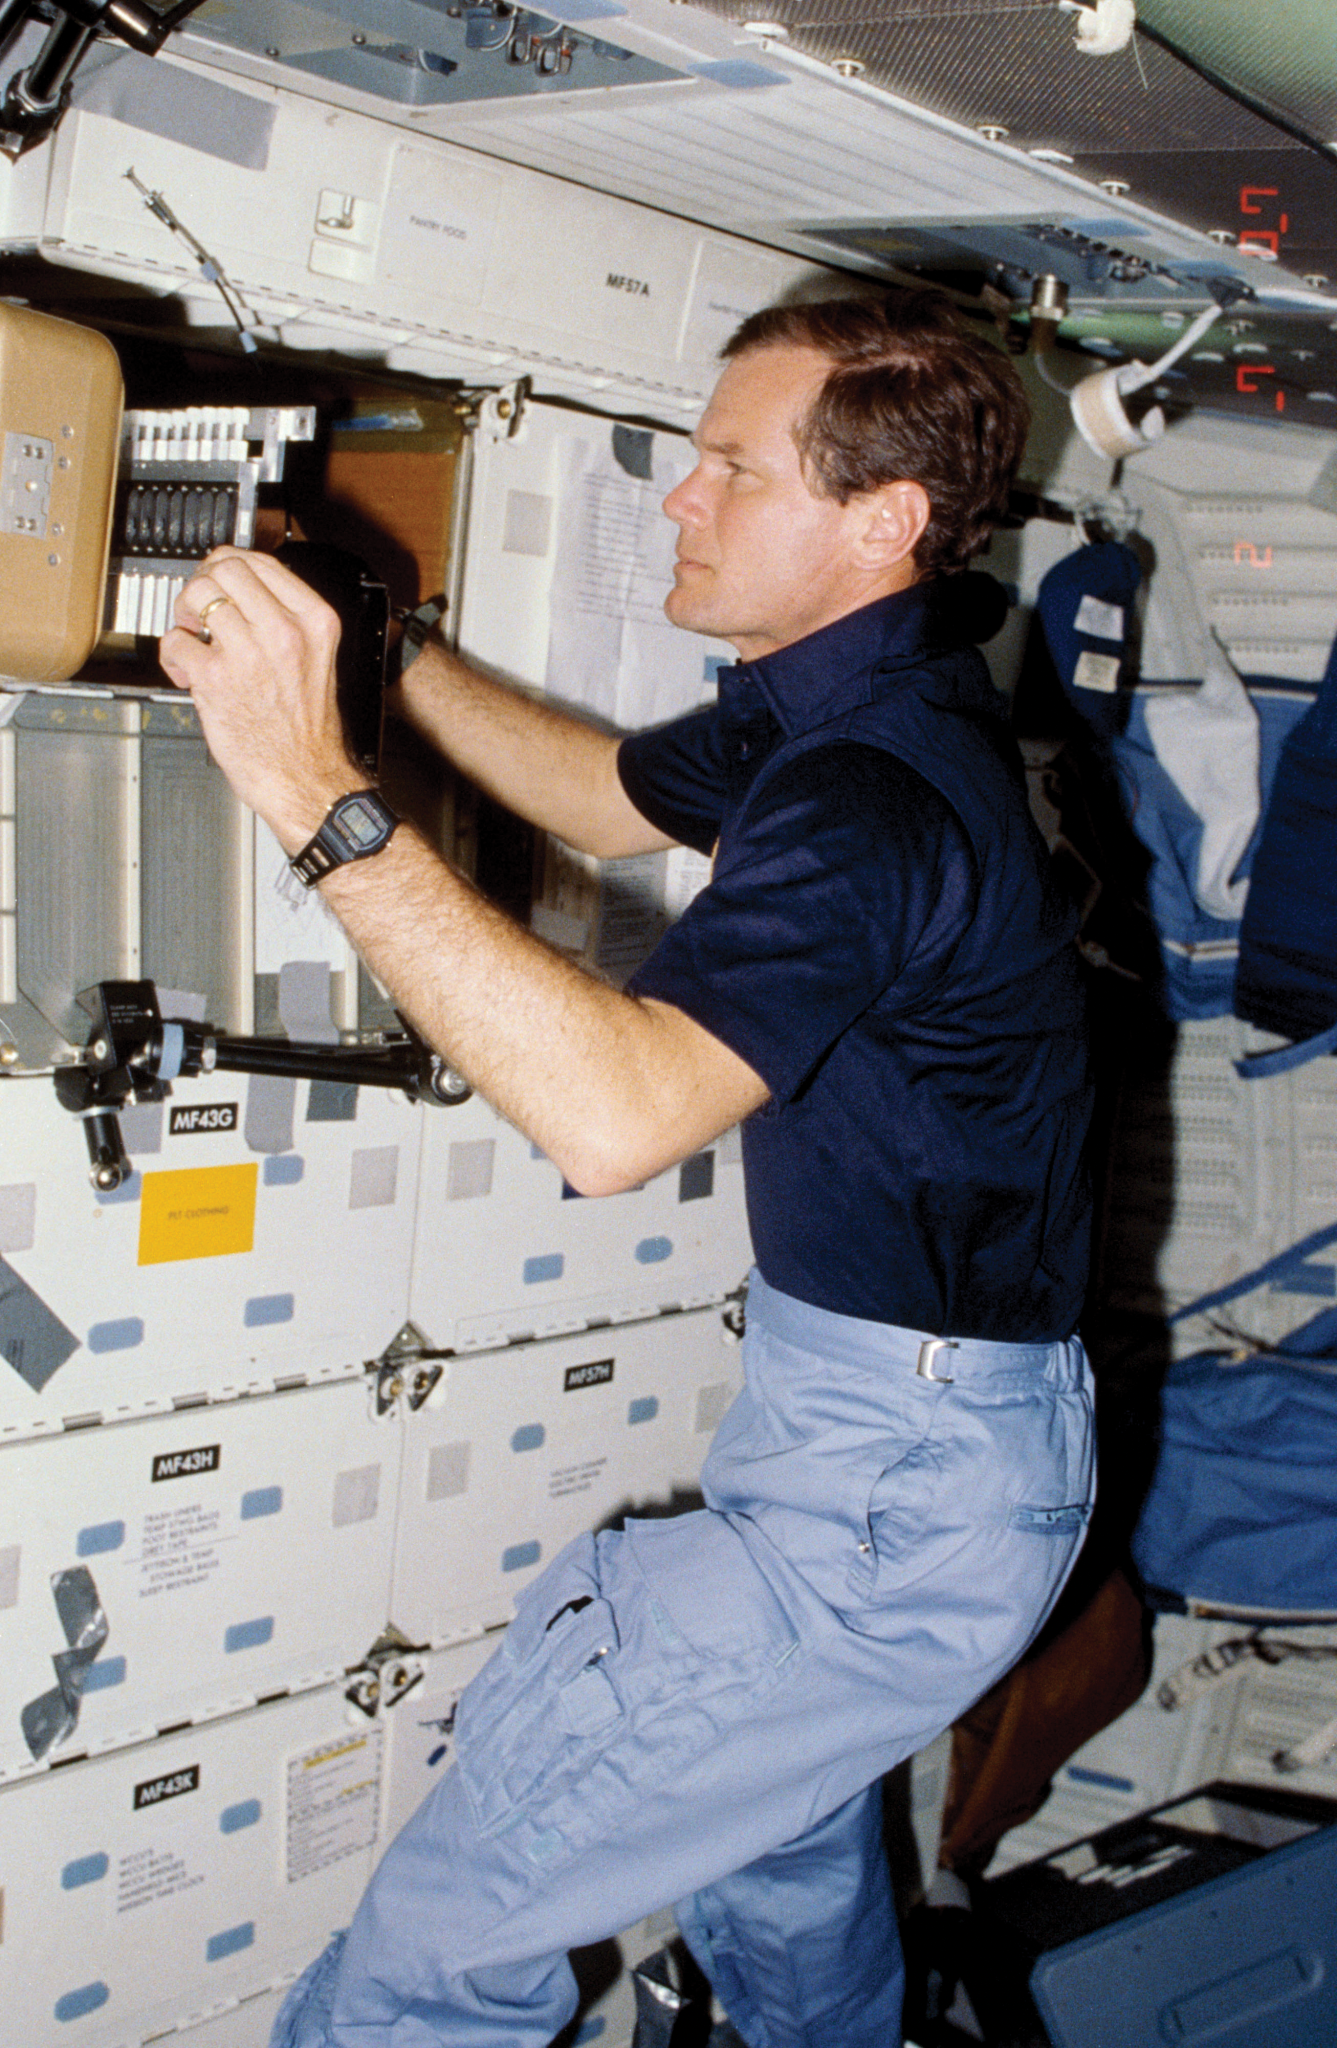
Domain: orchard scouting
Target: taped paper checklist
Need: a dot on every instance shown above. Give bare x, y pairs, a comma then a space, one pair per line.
334, 1798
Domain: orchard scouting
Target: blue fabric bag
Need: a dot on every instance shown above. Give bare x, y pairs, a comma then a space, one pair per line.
1287, 975
1241, 1514
1198, 952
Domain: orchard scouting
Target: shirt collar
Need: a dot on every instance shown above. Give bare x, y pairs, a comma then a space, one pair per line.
839, 667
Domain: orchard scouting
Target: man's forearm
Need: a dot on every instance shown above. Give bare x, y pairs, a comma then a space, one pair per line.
544, 763
613, 1088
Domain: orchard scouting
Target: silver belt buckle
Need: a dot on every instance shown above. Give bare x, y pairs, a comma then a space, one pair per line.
928, 1352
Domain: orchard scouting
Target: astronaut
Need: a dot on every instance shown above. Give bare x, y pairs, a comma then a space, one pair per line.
878, 984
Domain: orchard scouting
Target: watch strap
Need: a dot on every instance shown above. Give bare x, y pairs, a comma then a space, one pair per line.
354, 828
418, 627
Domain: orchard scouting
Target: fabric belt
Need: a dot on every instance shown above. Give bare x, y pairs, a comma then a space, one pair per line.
889, 1346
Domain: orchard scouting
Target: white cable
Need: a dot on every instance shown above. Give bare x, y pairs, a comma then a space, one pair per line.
1186, 340
1097, 403
1193, 332
1063, 390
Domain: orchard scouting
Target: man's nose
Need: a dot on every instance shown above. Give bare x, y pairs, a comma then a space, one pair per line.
683, 503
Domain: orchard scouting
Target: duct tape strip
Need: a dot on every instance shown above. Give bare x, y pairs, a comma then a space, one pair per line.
271, 1103
332, 1102
54, 1716
158, 99
18, 1216
305, 993
33, 1339
633, 450
141, 1129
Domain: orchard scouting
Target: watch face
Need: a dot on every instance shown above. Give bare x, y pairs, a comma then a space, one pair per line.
358, 824
364, 826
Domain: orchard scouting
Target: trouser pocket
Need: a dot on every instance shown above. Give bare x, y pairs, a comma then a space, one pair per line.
631, 1654
995, 1498
544, 1703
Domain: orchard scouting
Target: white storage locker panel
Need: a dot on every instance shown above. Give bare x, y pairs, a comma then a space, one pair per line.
344, 233
1280, 1719
235, 1551
153, 1888
504, 1248
534, 1445
1246, 541
265, 1236
247, 2024
1299, 1112
1214, 1709
420, 1729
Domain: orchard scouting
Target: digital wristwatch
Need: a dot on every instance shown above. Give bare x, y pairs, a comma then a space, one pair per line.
359, 825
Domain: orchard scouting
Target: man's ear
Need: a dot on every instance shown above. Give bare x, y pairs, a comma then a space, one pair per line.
898, 513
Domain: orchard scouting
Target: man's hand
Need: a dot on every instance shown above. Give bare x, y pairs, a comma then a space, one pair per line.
255, 647
613, 1088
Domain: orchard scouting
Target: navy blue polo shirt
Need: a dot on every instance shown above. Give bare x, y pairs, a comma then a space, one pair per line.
882, 943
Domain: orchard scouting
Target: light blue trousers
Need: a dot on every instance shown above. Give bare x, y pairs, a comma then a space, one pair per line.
698, 1709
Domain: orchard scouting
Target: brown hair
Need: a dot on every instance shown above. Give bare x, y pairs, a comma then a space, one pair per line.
911, 394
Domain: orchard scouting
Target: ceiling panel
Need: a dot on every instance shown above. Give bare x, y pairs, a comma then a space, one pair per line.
851, 133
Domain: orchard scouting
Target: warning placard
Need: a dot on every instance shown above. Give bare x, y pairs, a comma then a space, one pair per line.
334, 1800
201, 1212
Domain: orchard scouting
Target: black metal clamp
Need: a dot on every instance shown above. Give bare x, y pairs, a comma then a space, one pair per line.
35, 97
134, 1054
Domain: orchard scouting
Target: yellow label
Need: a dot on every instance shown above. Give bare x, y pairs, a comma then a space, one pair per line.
200, 1213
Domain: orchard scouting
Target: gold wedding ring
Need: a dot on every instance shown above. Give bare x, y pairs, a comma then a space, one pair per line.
201, 627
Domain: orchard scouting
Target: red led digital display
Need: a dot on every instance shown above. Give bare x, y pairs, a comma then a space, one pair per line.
1260, 202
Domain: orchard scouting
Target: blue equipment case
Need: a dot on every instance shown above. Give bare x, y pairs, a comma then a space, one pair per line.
1147, 1935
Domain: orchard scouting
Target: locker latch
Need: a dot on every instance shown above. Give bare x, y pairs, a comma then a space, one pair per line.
501, 412
408, 1369
390, 1670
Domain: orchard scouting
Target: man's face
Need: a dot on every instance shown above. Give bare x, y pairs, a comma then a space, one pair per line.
762, 560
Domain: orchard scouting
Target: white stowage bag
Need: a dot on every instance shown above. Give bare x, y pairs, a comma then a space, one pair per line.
1104, 28
1207, 742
